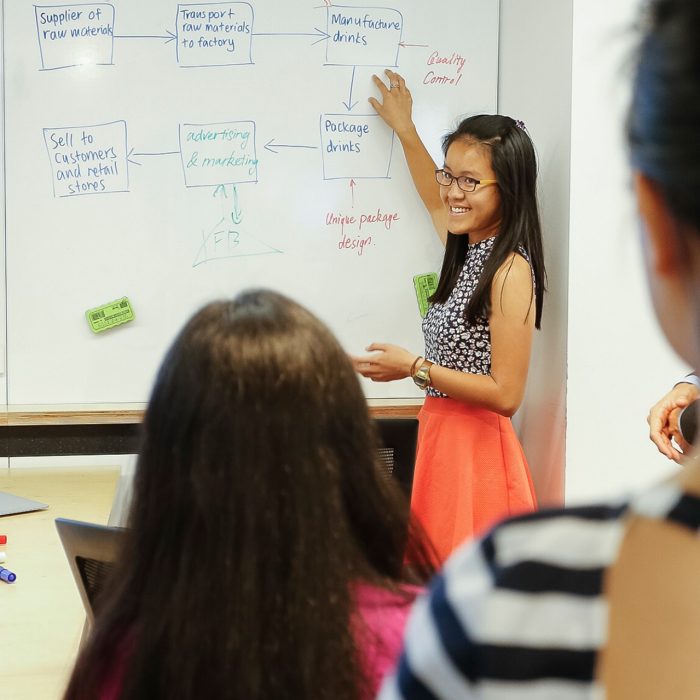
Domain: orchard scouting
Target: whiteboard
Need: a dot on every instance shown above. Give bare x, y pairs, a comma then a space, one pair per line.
176, 153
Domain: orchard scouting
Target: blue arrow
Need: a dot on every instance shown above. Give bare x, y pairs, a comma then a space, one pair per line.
270, 146
350, 104
317, 33
170, 36
158, 153
236, 214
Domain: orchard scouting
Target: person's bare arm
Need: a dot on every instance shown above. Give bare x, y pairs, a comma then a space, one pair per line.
395, 109
511, 323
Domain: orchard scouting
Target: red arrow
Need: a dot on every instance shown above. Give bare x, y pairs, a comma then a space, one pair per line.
404, 45
352, 190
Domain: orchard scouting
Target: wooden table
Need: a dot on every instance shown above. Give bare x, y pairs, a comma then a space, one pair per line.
41, 616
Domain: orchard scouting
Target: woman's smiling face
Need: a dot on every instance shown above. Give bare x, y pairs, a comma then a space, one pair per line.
475, 213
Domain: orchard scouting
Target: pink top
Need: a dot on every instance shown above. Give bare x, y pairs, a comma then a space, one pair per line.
112, 686
378, 630
379, 636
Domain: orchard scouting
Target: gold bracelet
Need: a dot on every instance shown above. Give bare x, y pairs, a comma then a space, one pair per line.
413, 366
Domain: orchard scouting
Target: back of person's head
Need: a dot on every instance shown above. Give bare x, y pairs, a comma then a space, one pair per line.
257, 504
664, 140
514, 164
664, 118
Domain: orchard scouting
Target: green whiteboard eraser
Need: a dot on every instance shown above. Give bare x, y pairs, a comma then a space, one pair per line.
109, 315
425, 285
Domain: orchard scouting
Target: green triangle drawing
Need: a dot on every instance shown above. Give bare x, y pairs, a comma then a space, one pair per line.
226, 240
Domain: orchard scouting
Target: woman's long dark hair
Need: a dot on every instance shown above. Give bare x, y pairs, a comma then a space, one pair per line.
258, 504
663, 127
515, 166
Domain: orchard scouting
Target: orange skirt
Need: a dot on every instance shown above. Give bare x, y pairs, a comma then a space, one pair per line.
470, 472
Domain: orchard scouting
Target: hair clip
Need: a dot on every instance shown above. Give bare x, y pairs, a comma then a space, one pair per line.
520, 124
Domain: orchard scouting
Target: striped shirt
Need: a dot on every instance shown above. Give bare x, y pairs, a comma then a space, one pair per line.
520, 615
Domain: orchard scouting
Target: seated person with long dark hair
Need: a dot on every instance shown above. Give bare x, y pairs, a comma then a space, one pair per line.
265, 550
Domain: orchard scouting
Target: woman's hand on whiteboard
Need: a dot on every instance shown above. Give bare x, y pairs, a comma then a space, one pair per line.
395, 109
396, 103
386, 364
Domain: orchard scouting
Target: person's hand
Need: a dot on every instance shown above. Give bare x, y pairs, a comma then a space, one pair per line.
396, 103
663, 420
389, 362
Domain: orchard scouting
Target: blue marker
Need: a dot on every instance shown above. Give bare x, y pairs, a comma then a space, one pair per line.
6, 575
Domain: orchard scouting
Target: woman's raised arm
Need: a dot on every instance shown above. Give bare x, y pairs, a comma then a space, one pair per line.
395, 109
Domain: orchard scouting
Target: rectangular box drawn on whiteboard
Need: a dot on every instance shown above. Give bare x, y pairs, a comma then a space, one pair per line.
88, 159
355, 146
75, 35
215, 34
218, 154
363, 36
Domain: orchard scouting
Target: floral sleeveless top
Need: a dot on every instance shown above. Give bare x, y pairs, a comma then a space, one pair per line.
449, 340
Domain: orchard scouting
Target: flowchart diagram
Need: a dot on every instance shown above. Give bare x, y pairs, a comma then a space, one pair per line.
93, 159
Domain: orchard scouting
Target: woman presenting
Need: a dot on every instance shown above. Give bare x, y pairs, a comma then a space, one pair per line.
470, 468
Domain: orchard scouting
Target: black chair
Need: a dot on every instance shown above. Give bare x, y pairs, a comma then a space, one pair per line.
92, 552
398, 451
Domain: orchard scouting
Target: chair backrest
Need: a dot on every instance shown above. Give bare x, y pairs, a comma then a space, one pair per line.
398, 451
92, 552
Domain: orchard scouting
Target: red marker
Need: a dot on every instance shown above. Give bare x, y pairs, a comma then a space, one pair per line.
3, 539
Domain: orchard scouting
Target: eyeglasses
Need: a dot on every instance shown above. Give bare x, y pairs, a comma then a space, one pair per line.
466, 184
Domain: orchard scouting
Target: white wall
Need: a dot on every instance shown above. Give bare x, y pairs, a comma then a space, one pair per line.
535, 86
619, 363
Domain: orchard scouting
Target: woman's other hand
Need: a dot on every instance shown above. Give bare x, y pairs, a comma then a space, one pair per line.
388, 363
